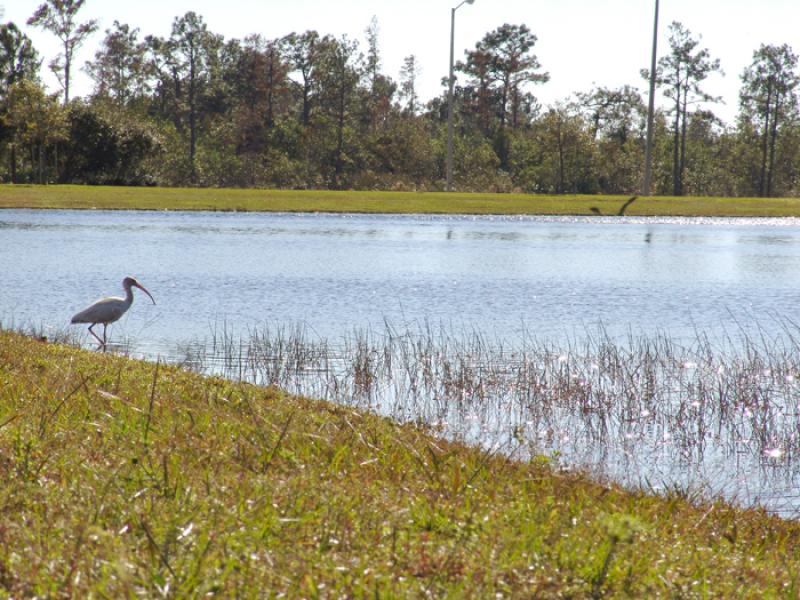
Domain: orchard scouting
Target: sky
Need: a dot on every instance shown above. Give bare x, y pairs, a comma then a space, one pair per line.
581, 43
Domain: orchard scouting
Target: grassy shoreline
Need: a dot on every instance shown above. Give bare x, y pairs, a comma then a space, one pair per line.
215, 199
127, 478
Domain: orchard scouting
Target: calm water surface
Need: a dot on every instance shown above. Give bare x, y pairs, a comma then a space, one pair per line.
548, 277
509, 278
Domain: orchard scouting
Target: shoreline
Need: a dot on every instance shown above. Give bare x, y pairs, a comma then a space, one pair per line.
372, 202
174, 478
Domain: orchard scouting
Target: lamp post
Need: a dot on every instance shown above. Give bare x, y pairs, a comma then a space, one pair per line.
451, 82
648, 149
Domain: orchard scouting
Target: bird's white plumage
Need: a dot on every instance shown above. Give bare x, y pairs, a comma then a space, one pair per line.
104, 310
109, 309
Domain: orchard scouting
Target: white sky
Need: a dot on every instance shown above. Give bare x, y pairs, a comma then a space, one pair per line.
582, 43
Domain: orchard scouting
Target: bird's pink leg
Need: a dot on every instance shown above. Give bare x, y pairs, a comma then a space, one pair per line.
101, 342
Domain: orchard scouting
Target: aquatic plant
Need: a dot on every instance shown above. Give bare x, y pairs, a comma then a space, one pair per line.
649, 411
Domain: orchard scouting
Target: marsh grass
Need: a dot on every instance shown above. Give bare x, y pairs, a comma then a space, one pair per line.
694, 417
129, 478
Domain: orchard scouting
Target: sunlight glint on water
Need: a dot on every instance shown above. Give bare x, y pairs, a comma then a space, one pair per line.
517, 285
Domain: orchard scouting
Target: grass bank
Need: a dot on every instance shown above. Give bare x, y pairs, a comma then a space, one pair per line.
106, 197
125, 478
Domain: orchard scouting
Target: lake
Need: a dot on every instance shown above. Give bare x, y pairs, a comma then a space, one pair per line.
522, 284
501, 275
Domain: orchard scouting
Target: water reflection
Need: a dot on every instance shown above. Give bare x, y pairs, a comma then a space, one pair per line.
344, 271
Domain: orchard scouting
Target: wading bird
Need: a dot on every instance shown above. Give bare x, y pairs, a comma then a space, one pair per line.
109, 309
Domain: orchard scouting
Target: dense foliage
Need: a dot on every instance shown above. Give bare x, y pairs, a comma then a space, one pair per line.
316, 111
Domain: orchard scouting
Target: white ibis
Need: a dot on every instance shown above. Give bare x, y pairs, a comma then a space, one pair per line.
109, 309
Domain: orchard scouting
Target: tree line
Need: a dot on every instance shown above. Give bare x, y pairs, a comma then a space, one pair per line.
308, 110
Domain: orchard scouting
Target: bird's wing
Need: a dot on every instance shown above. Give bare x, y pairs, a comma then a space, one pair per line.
105, 310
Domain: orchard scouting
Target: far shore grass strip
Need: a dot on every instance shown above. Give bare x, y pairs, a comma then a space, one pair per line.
124, 478
261, 200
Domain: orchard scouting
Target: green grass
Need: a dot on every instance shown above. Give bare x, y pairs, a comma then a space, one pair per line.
105, 197
124, 478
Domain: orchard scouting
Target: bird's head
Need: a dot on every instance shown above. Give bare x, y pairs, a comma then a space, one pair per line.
130, 282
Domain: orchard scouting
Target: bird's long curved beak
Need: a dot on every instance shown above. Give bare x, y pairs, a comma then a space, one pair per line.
141, 287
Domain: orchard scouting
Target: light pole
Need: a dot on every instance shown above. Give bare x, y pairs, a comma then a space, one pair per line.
648, 149
451, 82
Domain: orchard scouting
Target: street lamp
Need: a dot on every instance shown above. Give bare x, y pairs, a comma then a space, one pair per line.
648, 149
451, 82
